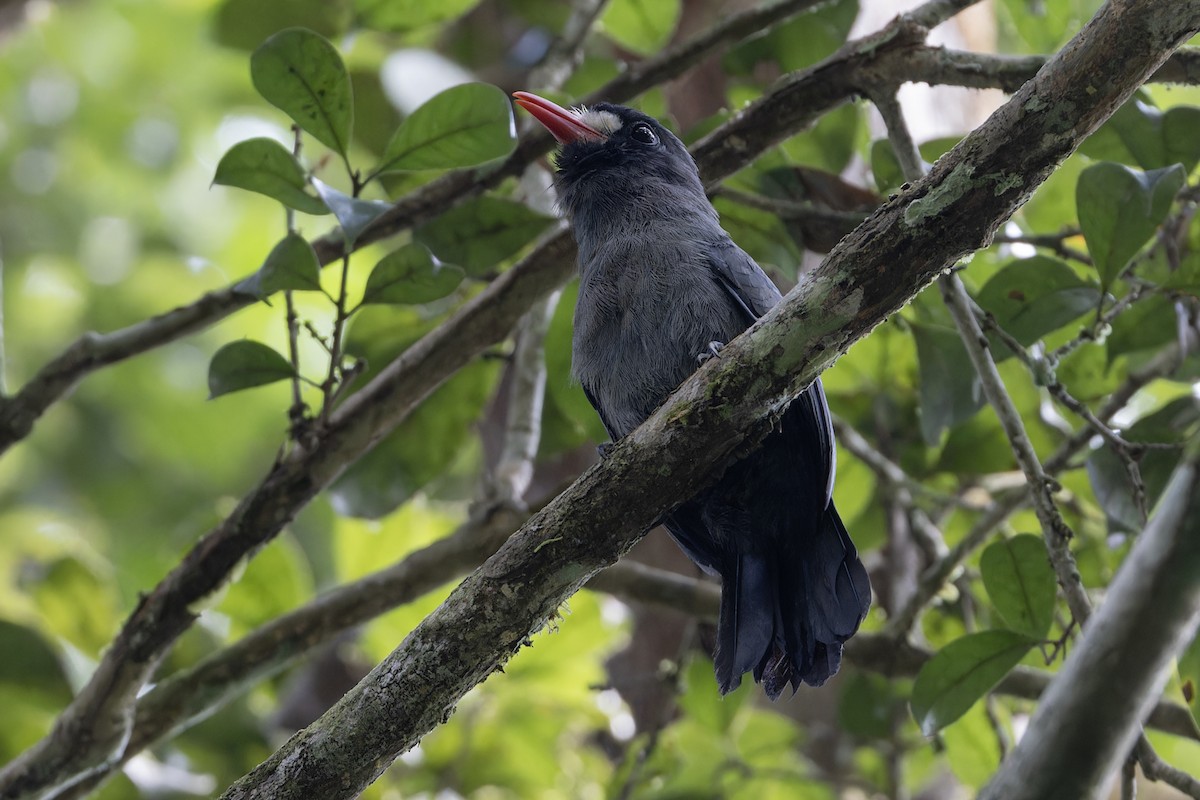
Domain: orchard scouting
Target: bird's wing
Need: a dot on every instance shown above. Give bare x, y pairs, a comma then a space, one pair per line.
745, 281
612, 434
755, 293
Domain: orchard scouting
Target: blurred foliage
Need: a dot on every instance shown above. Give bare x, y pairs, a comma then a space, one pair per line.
141, 168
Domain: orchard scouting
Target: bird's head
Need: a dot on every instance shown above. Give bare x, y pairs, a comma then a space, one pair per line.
611, 155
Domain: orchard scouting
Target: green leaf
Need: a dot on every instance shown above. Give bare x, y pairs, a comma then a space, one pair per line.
353, 214
1177, 421
1119, 210
265, 166
972, 751
830, 142
75, 604
409, 276
244, 364
1017, 575
866, 704
703, 703
245, 23
275, 581
1189, 677
482, 232
950, 388
1149, 323
291, 264
1087, 373
1113, 488
796, 43
406, 15
1153, 138
31, 664
961, 673
643, 26
885, 168
1034, 296
822, 189
300, 73
761, 234
460, 127
428, 443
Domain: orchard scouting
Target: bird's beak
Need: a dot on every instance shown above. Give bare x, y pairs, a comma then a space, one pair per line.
564, 125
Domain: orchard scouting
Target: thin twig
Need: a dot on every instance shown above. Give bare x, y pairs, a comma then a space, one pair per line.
1155, 769
935, 12
1055, 530
1055, 242
791, 209
881, 465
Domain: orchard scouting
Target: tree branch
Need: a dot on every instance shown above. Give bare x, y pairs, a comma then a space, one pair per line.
1089, 718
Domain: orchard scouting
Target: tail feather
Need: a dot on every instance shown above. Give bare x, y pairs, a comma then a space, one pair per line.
746, 625
786, 616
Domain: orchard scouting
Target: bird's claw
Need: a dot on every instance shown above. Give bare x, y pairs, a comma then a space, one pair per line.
713, 351
603, 450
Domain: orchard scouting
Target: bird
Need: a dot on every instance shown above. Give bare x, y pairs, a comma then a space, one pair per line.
662, 288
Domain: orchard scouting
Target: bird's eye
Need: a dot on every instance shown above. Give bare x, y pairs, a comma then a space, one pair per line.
642, 133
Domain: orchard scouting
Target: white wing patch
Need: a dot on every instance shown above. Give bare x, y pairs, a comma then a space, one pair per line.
606, 122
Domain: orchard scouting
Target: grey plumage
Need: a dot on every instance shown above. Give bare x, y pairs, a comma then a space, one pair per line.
659, 281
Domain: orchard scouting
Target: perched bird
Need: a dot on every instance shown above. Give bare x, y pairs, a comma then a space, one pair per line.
663, 287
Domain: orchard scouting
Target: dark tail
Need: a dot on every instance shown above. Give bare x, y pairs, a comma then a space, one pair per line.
786, 614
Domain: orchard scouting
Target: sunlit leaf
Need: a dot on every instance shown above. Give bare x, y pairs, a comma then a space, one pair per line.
300, 73
950, 389
643, 26
265, 166
972, 750
1020, 582
76, 604
1087, 372
481, 233
275, 581
291, 264
703, 702
1034, 296
1119, 210
352, 213
244, 364
961, 673
410, 275
406, 15
461, 127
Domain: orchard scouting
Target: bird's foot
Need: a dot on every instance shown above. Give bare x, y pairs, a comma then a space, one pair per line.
603, 450
712, 351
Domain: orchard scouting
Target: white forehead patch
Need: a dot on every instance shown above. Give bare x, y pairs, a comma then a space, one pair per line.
606, 122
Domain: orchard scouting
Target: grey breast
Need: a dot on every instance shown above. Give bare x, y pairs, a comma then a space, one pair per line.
648, 305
